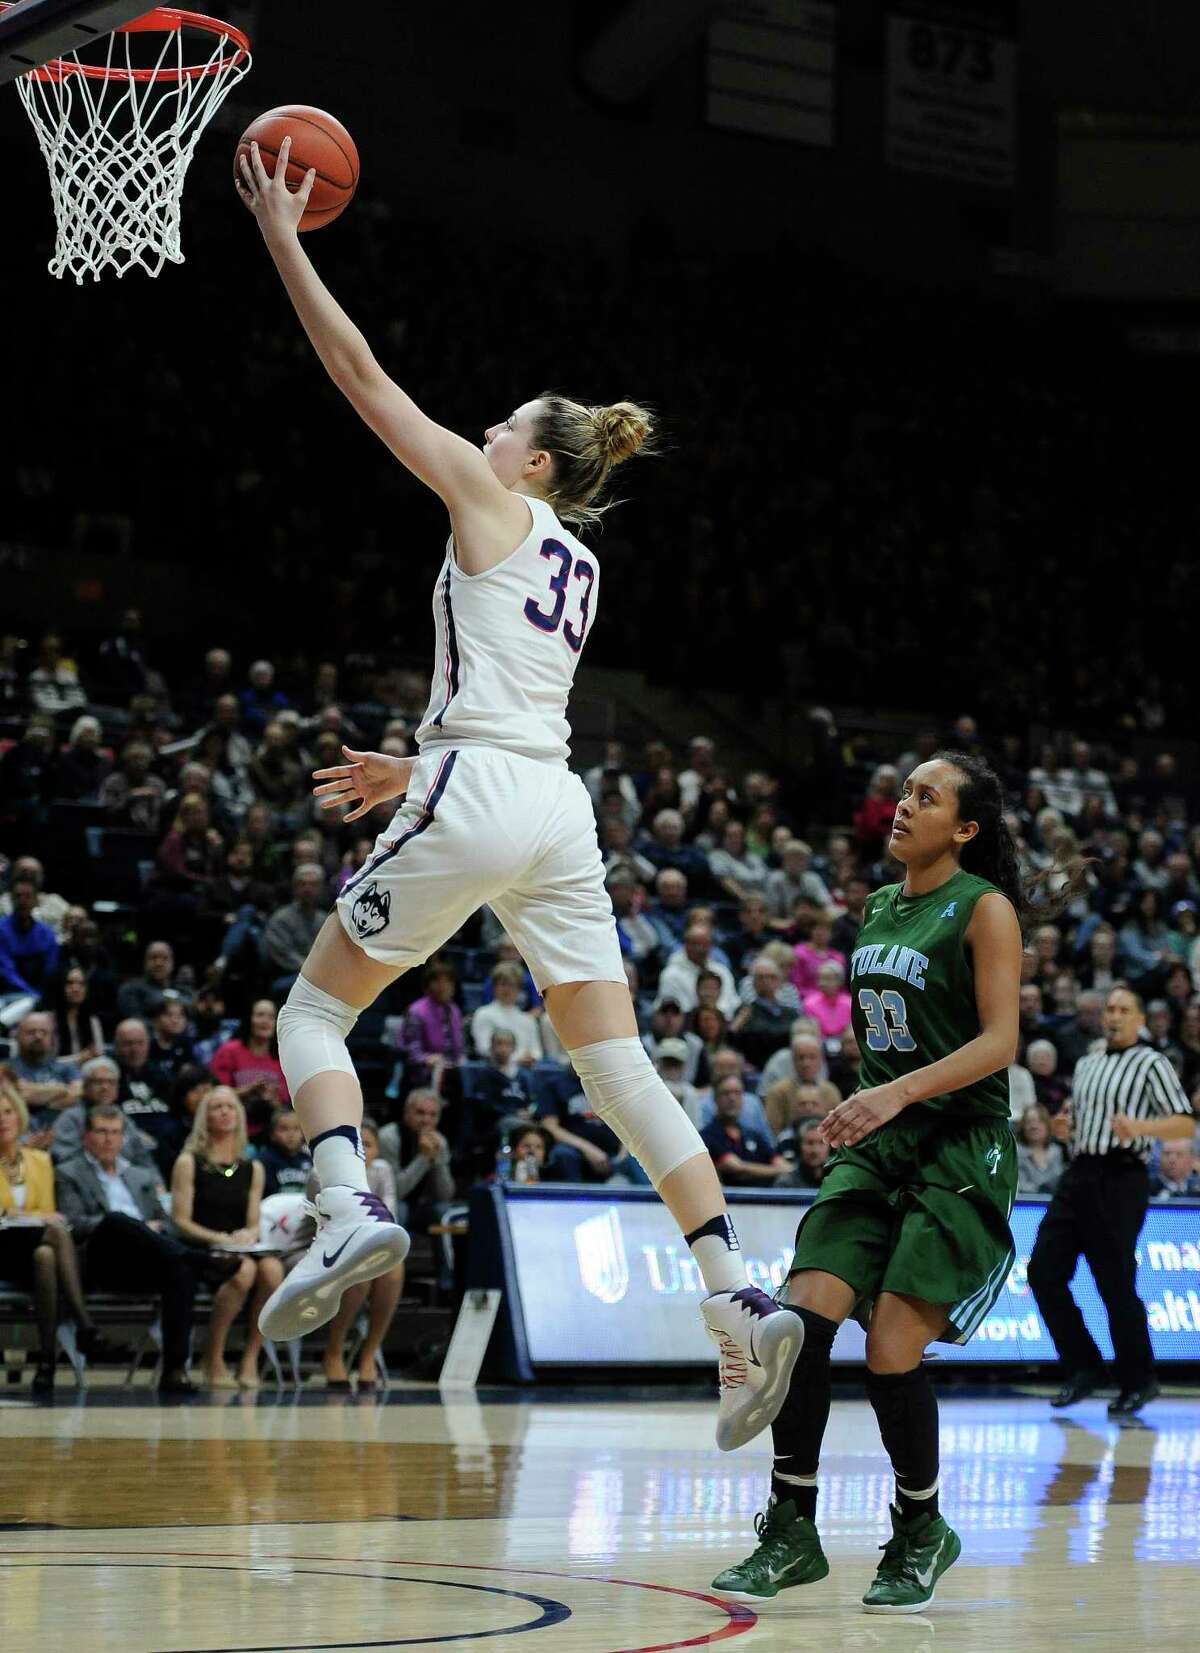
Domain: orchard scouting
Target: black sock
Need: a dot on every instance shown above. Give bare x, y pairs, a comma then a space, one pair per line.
800, 1426
906, 1408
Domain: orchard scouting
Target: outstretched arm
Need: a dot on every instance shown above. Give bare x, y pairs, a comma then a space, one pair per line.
456, 471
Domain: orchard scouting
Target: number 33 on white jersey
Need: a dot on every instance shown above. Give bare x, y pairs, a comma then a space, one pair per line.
508, 643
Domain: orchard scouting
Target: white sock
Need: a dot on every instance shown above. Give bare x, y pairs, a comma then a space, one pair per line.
716, 1250
338, 1159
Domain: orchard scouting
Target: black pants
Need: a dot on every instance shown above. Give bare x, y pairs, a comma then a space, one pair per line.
1098, 1210
124, 1255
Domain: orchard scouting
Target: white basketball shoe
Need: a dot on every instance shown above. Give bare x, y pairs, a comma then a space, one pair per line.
356, 1240
759, 1345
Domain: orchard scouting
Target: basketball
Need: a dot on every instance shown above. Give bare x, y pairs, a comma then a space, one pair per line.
318, 140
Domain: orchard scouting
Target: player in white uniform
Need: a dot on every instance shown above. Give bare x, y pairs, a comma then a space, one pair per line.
491, 813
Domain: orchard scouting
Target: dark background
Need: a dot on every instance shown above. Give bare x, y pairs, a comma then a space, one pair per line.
909, 433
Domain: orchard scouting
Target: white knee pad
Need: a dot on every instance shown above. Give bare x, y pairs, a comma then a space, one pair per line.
621, 1083
312, 1030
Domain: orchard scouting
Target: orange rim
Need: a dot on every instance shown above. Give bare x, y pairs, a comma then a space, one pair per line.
164, 20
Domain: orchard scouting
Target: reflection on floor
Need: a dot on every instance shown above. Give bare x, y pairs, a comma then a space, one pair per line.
589, 1525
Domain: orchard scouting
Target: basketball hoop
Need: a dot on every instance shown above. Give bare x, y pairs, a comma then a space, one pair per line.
118, 139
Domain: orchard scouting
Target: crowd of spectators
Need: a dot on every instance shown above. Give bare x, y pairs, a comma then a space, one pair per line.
166, 869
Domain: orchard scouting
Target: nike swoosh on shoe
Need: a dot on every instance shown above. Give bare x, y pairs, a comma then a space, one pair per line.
330, 1261
925, 1579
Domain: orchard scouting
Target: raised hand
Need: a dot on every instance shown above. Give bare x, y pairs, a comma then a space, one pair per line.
277, 208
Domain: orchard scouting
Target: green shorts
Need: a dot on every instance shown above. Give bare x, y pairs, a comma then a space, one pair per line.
920, 1208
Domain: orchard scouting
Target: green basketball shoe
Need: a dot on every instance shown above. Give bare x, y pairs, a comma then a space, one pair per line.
789, 1552
914, 1558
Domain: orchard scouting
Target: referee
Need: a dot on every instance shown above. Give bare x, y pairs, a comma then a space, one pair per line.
1123, 1097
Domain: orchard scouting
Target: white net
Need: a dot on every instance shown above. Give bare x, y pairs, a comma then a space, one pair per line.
118, 141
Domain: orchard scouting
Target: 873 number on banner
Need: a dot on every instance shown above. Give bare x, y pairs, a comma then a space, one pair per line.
951, 97
952, 54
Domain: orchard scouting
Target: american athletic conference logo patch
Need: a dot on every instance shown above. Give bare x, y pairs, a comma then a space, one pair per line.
371, 910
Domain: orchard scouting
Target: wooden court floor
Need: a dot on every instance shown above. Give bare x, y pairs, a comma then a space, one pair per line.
567, 1526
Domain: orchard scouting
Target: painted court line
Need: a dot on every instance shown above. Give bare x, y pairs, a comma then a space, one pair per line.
739, 1619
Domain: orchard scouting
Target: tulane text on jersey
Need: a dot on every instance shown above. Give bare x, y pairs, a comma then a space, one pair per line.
904, 963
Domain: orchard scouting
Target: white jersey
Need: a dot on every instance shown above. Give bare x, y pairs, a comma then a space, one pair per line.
508, 642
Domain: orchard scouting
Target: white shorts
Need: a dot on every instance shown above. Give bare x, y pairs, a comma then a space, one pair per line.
483, 825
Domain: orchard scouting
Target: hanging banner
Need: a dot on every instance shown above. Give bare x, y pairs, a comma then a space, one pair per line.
770, 67
952, 91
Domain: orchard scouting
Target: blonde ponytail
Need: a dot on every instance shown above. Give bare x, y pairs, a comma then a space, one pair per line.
623, 429
585, 443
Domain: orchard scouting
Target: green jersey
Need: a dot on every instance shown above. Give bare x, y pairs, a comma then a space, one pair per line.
912, 989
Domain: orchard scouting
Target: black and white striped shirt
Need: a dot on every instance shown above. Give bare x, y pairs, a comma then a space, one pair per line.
1139, 1082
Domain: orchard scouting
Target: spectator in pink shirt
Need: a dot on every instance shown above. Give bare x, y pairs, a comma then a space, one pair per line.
874, 816
810, 955
829, 1003
250, 1066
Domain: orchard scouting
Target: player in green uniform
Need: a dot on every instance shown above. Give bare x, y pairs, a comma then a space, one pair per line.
910, 1228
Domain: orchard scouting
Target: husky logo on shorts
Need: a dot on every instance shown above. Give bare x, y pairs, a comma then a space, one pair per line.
371, 909
993, 1157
